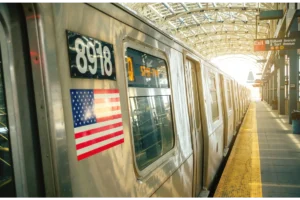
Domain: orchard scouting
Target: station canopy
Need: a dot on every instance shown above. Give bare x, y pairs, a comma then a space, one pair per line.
212, 29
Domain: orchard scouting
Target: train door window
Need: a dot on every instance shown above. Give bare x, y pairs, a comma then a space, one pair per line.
229, 94
150, 107
7, 187
195, 119
214, 97
195, 80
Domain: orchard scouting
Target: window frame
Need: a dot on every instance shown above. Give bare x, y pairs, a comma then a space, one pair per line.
136, 92
213, 74
229, 94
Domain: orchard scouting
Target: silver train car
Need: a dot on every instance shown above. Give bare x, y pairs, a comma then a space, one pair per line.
96, 101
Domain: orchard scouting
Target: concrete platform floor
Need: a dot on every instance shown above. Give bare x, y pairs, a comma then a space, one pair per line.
279, 153
265, 159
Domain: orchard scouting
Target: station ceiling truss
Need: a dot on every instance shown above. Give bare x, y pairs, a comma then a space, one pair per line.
212, 29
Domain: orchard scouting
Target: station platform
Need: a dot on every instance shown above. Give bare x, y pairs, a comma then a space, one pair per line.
265, 158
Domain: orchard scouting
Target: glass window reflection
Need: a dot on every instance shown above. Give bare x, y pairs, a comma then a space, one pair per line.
152, 128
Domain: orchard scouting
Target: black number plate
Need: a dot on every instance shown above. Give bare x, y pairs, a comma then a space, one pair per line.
90, 58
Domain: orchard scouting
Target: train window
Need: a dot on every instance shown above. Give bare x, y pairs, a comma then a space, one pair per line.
150, 107
229, 94
152, 128
214, 97
6, 171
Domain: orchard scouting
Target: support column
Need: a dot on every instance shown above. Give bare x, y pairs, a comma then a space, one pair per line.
263, 92
275, 96
267, 91
260, 93
280, 64
293, 83
294, 70
270, 90
273, 85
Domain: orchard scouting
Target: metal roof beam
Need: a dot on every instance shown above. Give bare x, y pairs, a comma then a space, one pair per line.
230, 33
200, 10
226, 43
195, 19
254, 58
155, 11
268, 6
216, 24
184, 6
235, 40
229, 46
230, 51
220, 17
172, 24
216, 28
197, 24
168, 7
217, 37
225, 51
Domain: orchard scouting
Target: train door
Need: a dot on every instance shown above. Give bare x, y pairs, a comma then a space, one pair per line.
195, 120
20, 159
7, 187
239, 99
224, 112
234, 104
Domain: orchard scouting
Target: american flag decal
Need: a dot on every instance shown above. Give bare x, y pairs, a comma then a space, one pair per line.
97, 120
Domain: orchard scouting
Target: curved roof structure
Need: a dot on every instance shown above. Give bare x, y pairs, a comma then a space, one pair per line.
213, 29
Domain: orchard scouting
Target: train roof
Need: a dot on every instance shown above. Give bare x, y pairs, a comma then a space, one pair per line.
131, 12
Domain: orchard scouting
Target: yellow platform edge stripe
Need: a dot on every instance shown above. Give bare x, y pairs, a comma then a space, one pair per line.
242, 176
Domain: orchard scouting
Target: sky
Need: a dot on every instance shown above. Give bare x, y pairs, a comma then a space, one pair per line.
238, 66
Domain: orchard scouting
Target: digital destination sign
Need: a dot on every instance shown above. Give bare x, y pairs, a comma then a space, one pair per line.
145, 70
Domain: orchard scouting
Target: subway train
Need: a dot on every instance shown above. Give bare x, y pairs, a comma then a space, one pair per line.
99, 102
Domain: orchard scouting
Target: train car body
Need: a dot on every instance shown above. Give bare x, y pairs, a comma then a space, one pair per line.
102, 103
228, 110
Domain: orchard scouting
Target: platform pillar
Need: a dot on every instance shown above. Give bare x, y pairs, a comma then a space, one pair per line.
273, 86
280, 64
263, 93
275, 93
270, 89
267, 91
294, 70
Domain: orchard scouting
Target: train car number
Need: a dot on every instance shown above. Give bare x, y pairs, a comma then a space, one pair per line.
90, 58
